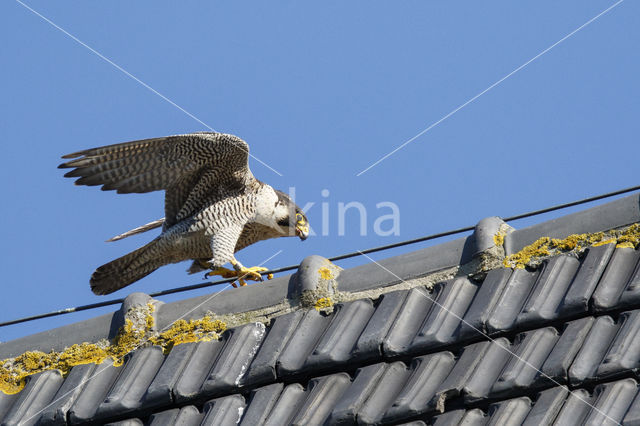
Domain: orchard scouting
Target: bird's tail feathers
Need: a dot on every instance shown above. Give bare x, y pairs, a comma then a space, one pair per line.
140, 229
127, 269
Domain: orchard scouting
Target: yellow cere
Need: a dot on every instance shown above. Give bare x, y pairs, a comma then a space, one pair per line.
628, 237
14, 371
325, 273
323, 303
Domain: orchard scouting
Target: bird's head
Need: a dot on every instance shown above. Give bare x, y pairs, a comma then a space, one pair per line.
290, 218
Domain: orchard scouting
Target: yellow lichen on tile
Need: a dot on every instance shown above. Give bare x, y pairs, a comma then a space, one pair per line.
625, 245
605, 242
575, 243
325, 273
498, 238
323, 303
569, 243
630, 237
14, 371
538, 249
132, 335
182, 331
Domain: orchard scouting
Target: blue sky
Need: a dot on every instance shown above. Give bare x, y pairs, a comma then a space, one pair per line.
320, 92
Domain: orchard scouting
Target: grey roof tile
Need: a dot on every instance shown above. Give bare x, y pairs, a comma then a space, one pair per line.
135, 377
592, 266
612, 402
484, 303
485, 232
340, 338
160, 391
516, 290
615, 402
509, 413
323, 393
56, 414
224, 411
302, 342
6, 401
353, 399
260, 403
263, 367
624, 352
615, 278
94, 390
383, 393
416, 306
575, 408
632, 417
291, 397
549, 290
164, 418
369, 344
452, 418
196, 370
418, 394
38, 392
474, 417
530, 350
232, 364
631, 294
407, 266
185, 416
443, 322
487, 371
593, 350
127, 422
462, 371
571, 339
547, 406
307, 275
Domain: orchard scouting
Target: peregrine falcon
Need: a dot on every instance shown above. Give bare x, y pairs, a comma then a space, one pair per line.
214, 206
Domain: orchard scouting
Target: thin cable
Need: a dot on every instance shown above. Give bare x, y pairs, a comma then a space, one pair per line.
332, 259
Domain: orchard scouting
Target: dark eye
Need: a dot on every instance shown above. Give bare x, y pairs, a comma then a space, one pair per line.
299, 218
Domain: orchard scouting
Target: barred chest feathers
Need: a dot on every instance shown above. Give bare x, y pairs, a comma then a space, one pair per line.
266, 206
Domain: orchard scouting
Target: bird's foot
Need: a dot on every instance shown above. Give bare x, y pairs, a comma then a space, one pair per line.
252, 274
221, 271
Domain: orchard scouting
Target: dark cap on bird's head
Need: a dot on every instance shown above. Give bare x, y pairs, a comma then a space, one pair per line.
292, 218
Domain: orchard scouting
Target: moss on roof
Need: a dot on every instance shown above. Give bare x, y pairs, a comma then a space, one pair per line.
545, 247
136, 332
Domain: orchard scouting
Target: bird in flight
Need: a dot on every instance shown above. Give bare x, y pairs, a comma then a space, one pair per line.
214, 206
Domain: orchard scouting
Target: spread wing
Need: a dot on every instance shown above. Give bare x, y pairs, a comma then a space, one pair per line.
188, 167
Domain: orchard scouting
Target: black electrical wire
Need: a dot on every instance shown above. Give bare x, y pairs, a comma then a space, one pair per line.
332, 259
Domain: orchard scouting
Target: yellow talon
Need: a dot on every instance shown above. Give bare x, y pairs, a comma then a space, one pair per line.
252, 274
223, 272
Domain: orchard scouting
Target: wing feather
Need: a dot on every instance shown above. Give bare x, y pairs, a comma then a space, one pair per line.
172, 163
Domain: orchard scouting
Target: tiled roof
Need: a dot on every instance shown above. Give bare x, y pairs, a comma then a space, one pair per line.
502, 347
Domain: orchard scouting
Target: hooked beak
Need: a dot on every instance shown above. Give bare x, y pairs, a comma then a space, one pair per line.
302, 231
